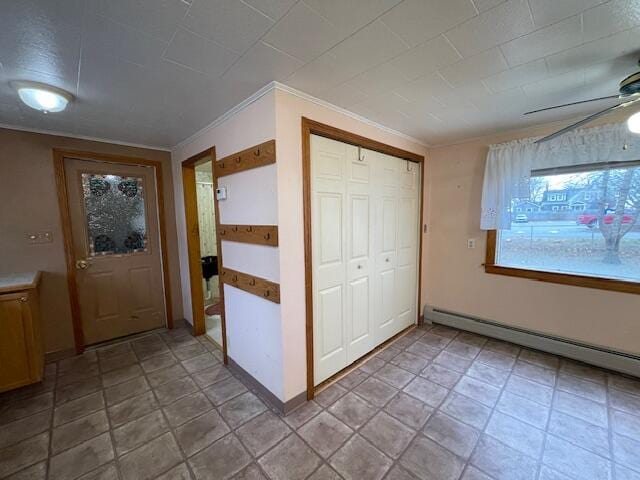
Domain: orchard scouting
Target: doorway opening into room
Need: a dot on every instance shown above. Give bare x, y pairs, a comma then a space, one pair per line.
207, 302
208, 251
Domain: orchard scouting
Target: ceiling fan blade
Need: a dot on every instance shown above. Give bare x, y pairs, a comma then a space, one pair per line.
587, 120
571, 104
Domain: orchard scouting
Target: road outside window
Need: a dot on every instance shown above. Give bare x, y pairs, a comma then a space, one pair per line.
584, 223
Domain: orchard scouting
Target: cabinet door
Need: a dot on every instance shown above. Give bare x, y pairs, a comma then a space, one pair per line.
15, 369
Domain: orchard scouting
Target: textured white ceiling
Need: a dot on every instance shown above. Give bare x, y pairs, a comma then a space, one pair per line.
156, 71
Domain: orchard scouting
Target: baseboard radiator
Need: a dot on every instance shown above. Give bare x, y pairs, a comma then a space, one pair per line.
594, 355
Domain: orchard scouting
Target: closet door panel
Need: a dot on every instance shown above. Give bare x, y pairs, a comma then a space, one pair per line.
408, 242
330, 320
360, 330
359, 314
329, 256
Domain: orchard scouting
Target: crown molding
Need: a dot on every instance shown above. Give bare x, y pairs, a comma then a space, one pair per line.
344, 111
270, 87
82, 137
273, 86
226, 115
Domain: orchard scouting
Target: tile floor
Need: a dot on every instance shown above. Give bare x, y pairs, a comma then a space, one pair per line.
437, 404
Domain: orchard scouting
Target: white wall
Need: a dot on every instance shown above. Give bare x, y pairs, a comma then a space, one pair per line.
253, 324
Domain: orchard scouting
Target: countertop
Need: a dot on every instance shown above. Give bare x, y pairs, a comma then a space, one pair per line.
14, 282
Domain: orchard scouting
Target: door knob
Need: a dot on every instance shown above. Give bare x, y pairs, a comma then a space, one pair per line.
386, 259
82, 264
359, 267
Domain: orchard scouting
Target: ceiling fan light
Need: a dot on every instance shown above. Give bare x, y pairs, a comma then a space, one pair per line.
633, 123
42, 97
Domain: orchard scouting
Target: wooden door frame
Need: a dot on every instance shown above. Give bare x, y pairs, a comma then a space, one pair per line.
59, 156
193, 243
311, 127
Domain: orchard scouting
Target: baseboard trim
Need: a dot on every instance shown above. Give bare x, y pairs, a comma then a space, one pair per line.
265, 393
601, 357
58, 355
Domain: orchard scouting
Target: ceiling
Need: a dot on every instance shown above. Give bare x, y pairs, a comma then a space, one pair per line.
155, 72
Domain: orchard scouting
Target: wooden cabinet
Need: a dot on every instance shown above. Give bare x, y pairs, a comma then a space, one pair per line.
21, 350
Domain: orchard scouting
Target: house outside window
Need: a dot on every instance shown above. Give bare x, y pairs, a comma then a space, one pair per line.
594, 238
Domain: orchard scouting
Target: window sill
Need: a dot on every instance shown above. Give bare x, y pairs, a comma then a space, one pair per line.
566, 279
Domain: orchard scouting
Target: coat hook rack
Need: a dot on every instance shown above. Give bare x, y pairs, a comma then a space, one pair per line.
250, 283
256, 156
257, 234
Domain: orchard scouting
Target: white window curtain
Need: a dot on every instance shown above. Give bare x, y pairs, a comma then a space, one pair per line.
509, 165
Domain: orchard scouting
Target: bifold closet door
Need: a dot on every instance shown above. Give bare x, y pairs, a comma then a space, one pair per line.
364, 210
341, 210
396, 237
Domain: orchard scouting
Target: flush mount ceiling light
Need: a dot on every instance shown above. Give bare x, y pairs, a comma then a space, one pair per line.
42, 97
633, 123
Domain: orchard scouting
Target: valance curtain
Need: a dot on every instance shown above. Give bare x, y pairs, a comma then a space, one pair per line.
509, 165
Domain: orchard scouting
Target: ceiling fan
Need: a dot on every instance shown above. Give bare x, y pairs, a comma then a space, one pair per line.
629, 92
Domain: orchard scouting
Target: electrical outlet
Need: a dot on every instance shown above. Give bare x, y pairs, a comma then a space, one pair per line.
35, 238
471, 243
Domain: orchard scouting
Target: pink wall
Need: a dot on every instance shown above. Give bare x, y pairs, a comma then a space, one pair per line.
455, 276
289, 112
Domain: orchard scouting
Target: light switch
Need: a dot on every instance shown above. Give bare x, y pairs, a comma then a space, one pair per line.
471, 243
221, 193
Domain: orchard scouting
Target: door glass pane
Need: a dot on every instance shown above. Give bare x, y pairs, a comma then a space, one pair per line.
115, 210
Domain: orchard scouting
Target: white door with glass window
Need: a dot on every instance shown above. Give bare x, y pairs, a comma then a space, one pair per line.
365, 232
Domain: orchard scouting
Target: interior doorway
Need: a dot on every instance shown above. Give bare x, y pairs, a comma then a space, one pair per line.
201, 214
208, 251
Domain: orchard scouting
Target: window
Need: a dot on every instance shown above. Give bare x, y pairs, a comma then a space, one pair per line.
595, 244
115, 214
